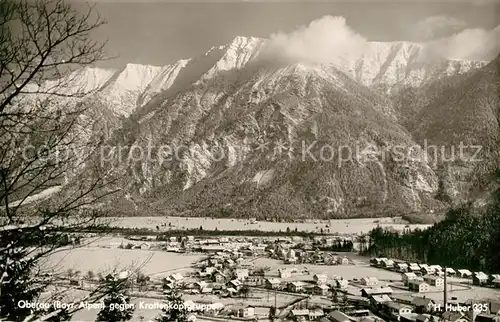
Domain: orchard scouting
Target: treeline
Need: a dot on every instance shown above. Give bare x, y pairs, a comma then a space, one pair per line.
464, 239
339, 245
256, 233
164, 235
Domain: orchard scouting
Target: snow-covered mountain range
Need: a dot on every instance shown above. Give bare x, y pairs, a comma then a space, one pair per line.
384, 65
241, 96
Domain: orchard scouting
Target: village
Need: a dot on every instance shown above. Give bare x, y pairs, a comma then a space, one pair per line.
296, 279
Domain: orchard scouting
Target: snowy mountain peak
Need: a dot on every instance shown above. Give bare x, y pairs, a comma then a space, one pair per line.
123, 90
383, 65
136, 76
237, 54
163, 80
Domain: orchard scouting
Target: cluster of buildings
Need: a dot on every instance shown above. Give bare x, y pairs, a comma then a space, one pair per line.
423, 277
291, 255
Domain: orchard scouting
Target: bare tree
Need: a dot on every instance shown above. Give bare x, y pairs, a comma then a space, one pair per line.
46, 139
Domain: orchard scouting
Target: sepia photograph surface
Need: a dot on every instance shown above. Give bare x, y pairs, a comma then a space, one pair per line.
246, 160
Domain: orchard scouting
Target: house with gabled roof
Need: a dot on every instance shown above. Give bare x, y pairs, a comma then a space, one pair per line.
451, 316
367, 292
427, 270
341, 283
273, 283
387, 263
419, 285
479, 278
320, 278
369, 281
236, 284
464, 273
414, 267
435, 281
321, 289
406, 277
396, 310
337, 316
296, 287
401, 267
423, 304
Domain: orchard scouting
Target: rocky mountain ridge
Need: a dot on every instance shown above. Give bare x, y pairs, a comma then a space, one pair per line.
238, 132
384, 64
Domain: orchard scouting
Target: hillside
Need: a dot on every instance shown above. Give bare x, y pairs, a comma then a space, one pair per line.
239, 132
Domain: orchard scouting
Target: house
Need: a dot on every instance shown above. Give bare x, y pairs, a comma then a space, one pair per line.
320, 289
244, 311
175, 278
218, 277
496, 283
464, 273
296, 287
236, 284
273, 283
377, 300
413, 267
479, 278
396, 309
343, 261
256, 280
299, 315
320, 278
315, 314
241, 273
387, 263
337, 316
369, 281
423, 304
424, 318
427, 270
493, 277
377, 261
401, 267
285, 273
341, 283
291, 253
451, 316
450, 271
367, 292
406, 277
402, 298
436, 268
418, 285
435, 281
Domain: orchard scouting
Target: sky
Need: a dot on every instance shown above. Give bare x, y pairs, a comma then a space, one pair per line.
162, 32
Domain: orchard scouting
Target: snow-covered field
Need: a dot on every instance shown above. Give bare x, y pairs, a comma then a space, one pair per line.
99, 259
347, 226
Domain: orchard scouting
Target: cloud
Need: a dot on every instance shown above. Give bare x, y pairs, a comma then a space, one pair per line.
436, 27
325, 40
469, 44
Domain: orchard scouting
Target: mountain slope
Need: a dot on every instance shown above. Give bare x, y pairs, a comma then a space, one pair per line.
235, 133
463, 111
215, 127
